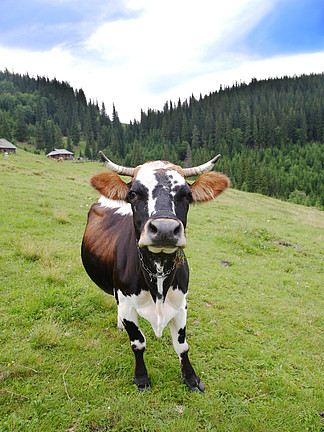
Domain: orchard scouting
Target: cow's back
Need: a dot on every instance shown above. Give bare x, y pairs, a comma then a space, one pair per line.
107, 246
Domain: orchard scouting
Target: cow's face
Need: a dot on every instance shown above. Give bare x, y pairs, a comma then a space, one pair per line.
160, 197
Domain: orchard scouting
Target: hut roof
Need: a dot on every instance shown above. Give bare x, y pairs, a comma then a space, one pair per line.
4, 144
57, 152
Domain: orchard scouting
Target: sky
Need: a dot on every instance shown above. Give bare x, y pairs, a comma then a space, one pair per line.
138, 54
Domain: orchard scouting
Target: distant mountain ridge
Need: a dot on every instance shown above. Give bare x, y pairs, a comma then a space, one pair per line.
270, 132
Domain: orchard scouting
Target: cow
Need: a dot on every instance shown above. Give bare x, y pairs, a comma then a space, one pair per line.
133, 245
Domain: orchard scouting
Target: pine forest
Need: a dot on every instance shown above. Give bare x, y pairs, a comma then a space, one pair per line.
270, 133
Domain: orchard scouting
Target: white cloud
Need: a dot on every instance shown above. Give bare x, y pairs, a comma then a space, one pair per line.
171, 49
172, 36
168, 42
260, 69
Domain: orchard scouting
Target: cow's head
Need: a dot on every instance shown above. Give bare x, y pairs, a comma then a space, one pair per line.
159, 197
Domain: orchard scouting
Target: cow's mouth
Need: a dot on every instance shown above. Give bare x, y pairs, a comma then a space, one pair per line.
164, 249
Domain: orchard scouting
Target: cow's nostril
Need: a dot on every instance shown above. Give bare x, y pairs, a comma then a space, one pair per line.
177, 230
153, 229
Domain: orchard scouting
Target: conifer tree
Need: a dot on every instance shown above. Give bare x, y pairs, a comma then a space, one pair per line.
242, 171
188, 159
21, 128
137, 157
5, 128
195, 139
75, 134
48, 134
69, 143
166, 153
90, 146
117, 134
61, 116
41, 111
58, 143
87, 151
40, 144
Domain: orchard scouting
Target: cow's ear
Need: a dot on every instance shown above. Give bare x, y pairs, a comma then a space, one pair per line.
209, 186
110, 185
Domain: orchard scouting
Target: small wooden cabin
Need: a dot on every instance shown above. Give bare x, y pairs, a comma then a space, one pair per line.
6, 146
60, 153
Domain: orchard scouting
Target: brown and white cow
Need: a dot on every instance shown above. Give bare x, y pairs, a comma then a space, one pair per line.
133, 249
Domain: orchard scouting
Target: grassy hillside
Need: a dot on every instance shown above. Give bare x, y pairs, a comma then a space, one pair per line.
255, 316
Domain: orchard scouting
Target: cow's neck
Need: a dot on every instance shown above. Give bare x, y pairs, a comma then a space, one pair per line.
159, 271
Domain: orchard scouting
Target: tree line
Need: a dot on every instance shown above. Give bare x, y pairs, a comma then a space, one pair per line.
270, 133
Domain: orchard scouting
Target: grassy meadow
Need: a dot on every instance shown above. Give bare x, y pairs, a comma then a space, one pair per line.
255, 316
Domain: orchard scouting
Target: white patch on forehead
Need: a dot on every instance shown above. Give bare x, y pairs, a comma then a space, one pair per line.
176, 179
154, 165
146, 176
121, 207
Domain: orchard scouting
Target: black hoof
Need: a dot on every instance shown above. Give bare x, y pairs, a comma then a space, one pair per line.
142, 384
195, 384
143, 388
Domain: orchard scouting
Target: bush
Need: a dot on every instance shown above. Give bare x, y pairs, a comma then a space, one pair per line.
298, 197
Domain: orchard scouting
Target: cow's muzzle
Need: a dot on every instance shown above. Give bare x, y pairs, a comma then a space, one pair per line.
163, 235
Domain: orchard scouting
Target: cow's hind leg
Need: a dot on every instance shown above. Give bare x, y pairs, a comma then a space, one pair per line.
138, 344
178, 332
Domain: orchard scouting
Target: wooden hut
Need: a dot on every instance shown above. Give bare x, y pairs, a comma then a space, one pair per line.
60, 153
7, 147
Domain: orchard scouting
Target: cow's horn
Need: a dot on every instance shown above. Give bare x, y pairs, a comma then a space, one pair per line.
204, 168
111, 166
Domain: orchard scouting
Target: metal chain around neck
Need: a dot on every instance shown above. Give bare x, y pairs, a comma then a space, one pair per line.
161, 274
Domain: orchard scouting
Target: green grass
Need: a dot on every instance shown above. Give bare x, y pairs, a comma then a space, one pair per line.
255, 326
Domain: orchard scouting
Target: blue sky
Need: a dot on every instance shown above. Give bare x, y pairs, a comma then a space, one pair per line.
293, 27
40, 25
140, 53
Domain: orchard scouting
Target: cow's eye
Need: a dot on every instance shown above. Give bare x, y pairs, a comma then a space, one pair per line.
185, 195
130, 195
188, 196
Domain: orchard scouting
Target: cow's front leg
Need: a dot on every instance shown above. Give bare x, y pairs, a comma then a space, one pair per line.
178, 332
129, 318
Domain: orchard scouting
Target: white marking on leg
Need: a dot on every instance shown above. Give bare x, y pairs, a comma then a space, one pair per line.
127, 311
176, 324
